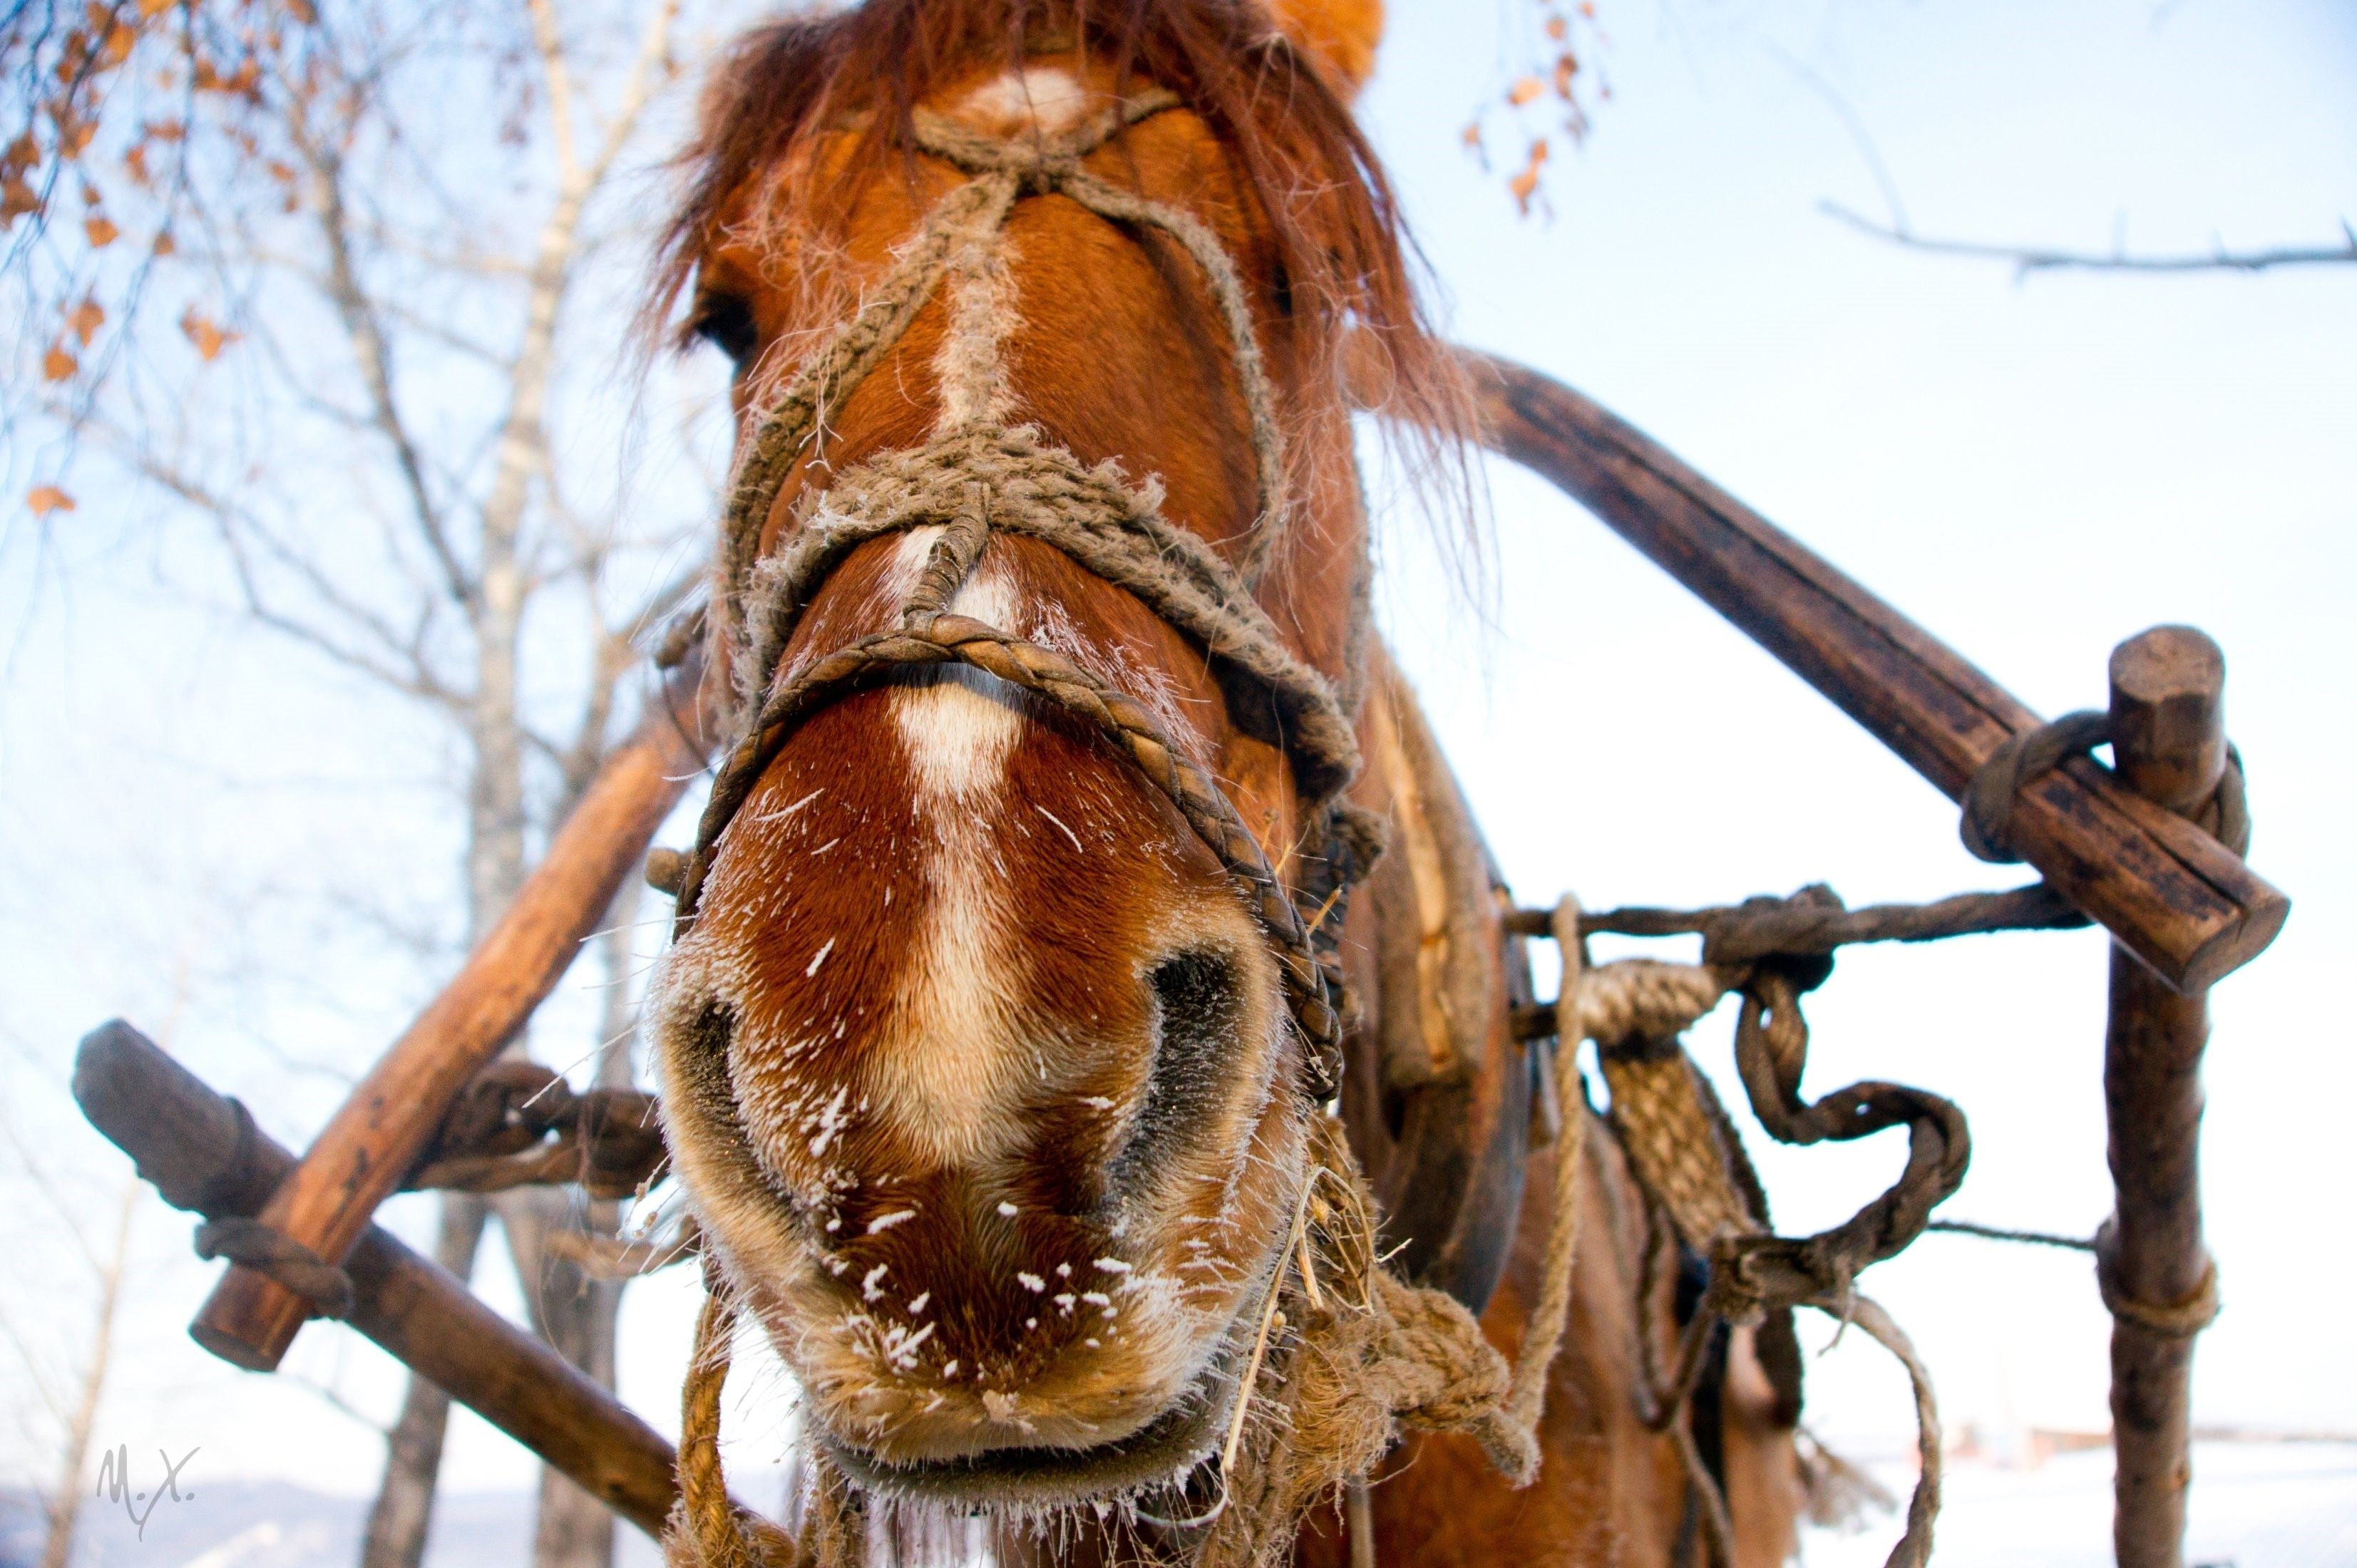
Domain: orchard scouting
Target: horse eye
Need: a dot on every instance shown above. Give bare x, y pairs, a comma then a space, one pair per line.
1280, 286
726, 321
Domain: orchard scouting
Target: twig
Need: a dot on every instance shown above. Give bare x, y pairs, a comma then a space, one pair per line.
357, 311
2027, 259
2032, 1238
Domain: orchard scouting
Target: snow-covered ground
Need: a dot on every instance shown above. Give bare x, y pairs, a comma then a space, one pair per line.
2255, 1504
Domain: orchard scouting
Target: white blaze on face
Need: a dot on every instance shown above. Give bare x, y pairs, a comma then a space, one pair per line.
1047, 97
961, 1062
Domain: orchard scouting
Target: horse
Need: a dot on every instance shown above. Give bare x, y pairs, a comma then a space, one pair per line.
1113, 1178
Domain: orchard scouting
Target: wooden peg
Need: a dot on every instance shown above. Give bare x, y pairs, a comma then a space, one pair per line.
2170, 745
2169, 728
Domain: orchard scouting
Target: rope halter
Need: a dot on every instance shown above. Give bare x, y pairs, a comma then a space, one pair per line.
978, 474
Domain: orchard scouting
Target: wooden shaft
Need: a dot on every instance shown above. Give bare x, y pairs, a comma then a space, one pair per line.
195, 1147
2169, 740
362, 1155
2175, 898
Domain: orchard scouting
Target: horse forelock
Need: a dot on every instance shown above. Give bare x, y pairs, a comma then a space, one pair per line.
803, 114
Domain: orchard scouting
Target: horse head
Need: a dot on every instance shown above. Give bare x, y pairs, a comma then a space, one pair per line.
1000, 1007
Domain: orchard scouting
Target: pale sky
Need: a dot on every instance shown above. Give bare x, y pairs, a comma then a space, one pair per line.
2032, 470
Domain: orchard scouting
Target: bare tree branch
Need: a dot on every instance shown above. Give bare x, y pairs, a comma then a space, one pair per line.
522, 440
392, 240
654, 56
35, 1359
65, 1504
424, 326
358, 313
47, 1186
2027, 259
239, 531
550, 41
1855, 124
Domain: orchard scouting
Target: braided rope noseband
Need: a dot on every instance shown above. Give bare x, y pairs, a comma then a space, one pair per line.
978, 474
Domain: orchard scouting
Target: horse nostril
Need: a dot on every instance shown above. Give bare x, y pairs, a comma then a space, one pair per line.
703, 1054
1196, 1011
1195, 997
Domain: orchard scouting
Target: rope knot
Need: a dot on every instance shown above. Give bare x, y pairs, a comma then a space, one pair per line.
1787, 935
251, 1245
1047, 172
1753, 1275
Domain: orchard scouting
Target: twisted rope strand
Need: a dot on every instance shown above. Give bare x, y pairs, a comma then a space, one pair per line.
1662, 1112
787, 428
1040, 491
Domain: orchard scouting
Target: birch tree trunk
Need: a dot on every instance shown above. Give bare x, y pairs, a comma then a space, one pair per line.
65, 1506
403, 1511
573, 1309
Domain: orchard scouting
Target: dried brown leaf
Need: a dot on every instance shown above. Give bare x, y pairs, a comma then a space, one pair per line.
209, 336
73, 134
1526, 185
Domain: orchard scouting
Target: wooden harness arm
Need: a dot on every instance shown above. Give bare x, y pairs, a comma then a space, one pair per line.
190, 1143
2187, 906
360, 1157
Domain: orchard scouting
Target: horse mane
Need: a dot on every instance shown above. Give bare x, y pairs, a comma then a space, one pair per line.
1348, 265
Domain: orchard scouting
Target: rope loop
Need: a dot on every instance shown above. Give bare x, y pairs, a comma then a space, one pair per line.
1987, 825
2176, 1320
1040, 155
251, 1245
707, 1528
1691, 1166
2226, 815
